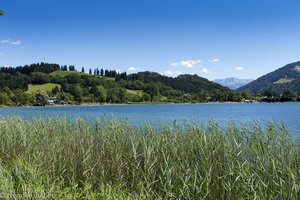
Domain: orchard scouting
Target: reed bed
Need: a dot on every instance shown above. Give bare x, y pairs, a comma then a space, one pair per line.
110, 159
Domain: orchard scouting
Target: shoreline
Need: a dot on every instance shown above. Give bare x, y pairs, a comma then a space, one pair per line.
136, 103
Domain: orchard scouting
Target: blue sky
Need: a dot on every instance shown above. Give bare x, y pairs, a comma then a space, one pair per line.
211, 38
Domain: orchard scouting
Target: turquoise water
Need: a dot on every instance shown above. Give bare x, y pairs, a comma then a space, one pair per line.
288, 113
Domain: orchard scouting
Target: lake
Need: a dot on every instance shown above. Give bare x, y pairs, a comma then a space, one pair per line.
288, 113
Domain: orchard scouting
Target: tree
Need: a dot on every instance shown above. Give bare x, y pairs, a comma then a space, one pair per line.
121, 76
106, 72
234, 96
99, 93
64, 96
55, 90
94, 90
267, 93
1, 12
73, 78
77, 92
287, 95
122, 95
82, 69
101, 72
4, 98
187, 98
152, 89
8, 92
297, 96
39, 78
146, 97
90, 72
71, 68
20, 97
41, 97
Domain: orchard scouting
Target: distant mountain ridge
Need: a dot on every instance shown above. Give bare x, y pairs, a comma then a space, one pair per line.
277, 81
232, 82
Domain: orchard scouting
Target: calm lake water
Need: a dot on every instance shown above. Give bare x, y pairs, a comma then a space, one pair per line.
288, 113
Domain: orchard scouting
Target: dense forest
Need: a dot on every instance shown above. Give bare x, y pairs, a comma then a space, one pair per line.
35, 84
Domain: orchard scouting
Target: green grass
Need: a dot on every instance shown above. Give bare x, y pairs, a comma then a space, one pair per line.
44, 87
63, 74
297, 68
108, 78
135, 92
114, 160
163, 98
284, 80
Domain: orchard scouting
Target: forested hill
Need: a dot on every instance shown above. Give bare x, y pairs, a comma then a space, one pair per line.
20, 85
287, 77
186, 83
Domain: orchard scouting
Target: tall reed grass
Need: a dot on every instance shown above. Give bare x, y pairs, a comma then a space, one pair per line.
115, 160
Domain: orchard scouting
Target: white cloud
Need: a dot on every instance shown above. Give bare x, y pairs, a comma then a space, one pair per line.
5, 41
12, 42
132, 68
17, 42
239, 68
204, 70
214, 60
186, 63
189, 63
171, 73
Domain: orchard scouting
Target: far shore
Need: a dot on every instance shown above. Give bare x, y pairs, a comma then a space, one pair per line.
140, 103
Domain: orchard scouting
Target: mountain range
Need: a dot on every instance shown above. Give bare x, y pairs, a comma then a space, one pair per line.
232, 82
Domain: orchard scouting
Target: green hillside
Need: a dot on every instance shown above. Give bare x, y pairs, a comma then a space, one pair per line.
32, 88
185, 82
112, 87
287, 77
63, 74
135, 92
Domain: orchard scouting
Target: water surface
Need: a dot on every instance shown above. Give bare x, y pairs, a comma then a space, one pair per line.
288, 113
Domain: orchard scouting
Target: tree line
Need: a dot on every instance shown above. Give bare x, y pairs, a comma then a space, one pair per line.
110, 86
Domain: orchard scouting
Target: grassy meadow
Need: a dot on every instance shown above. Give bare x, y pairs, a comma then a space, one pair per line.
47, 87
63, 74
115, 160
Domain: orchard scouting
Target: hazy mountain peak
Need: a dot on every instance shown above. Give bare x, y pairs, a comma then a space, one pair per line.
233, 82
